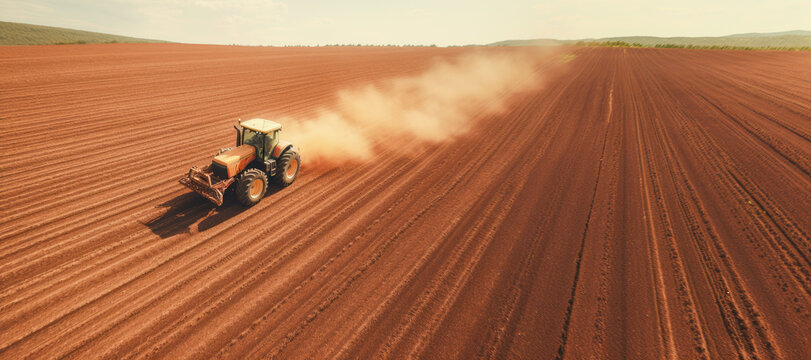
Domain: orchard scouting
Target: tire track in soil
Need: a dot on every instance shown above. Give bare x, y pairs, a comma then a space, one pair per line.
663, 308
578, 260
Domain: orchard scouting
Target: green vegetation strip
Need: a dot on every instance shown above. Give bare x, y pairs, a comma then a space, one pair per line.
26, 34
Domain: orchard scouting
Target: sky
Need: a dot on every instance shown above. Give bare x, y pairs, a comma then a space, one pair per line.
423, 22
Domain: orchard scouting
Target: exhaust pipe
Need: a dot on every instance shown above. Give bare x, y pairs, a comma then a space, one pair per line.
239, 135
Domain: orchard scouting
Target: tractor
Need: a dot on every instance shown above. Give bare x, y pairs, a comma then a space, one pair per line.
259, 155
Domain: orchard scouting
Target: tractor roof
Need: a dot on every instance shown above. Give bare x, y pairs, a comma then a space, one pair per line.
261, 125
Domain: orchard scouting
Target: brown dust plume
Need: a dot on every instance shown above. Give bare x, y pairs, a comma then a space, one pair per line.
431, 107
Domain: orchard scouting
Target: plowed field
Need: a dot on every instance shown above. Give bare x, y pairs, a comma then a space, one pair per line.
642, 204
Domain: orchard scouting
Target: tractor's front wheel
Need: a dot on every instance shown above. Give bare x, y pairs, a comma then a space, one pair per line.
251, 187
288, 167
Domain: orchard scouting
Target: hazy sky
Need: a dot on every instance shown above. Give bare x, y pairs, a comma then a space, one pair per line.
441, 22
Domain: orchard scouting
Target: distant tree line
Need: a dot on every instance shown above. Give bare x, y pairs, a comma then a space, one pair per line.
681, 46
607, 43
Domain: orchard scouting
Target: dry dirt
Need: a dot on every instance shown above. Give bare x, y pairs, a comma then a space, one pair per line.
641, 204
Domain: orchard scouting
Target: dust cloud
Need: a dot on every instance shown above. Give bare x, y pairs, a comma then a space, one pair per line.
433, 106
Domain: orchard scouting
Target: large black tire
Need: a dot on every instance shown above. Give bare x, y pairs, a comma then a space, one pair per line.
287, 168
251, 187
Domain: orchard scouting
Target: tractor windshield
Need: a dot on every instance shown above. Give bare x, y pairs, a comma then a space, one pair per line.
251, 137
254, 138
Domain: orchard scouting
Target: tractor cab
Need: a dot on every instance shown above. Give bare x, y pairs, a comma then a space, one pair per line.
262, 134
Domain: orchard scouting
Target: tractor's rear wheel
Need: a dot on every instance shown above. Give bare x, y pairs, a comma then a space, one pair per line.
288, 168
251, 187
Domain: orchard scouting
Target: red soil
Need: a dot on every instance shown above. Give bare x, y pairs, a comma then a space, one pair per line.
644, 204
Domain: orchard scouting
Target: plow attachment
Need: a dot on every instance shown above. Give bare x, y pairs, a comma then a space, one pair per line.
204, 182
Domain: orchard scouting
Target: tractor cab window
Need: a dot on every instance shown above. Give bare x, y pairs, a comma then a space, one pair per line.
256, 139
251, 137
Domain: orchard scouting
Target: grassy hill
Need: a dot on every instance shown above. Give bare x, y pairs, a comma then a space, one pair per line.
26, 34
787, 39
